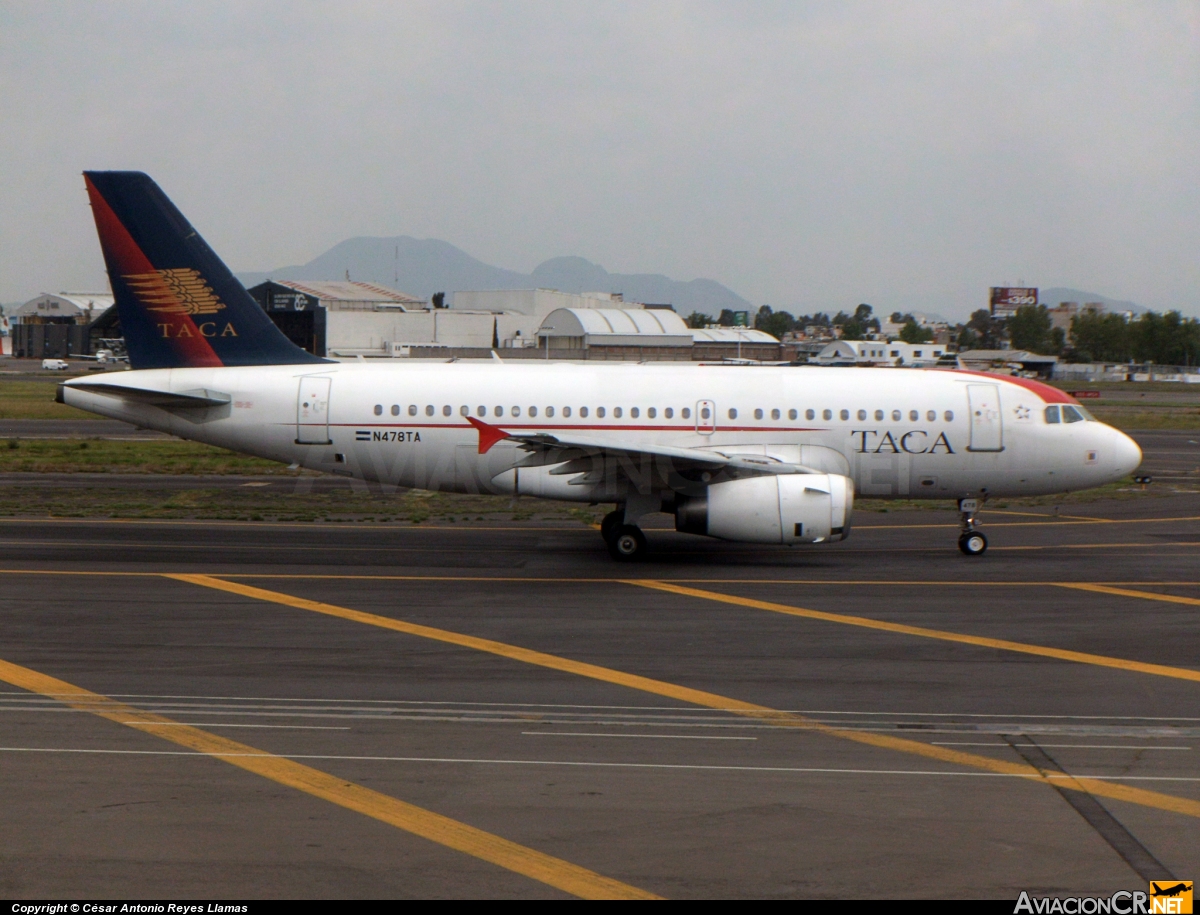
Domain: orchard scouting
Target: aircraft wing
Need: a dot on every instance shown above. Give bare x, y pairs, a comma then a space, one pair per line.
606, 460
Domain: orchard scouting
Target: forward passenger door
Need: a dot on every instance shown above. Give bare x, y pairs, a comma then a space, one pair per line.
987, 433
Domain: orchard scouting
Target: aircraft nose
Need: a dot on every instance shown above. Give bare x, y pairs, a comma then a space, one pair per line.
1127, 452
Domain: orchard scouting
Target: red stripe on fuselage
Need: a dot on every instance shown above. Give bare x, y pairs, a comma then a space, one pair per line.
569, 427
1048, 393
124, 257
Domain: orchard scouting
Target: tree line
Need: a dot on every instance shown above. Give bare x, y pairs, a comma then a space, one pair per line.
853, 326
1161, 339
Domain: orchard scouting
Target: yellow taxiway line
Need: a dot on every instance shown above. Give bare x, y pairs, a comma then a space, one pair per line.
1126, 592
679, 586
1079, 657
1072, 523
536, 865
1100, 546
705, 699
560, 579
998, 511
364, 526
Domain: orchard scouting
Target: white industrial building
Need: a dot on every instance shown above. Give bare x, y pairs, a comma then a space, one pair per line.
877, 352
62, 308
523, 318
1008, 361
721, 343
326, 318
55, 325
602, 326
614, 332
352, 319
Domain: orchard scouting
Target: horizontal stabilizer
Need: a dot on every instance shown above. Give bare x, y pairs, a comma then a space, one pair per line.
198, 398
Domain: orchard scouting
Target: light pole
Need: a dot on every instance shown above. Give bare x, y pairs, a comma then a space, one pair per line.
547, 327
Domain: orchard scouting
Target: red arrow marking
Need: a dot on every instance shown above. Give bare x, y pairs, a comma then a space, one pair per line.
488, 434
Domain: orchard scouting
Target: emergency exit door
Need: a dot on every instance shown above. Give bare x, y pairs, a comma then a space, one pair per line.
312, 410
706, 417
987, 432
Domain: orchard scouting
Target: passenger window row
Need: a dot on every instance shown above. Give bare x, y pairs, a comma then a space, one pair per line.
1052, 415
862, 415
549, 412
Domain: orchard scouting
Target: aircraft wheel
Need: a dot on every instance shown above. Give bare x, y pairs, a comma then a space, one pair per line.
611, 524
973, 543
627, 544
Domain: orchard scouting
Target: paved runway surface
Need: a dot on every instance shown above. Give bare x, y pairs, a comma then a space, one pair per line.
256, 710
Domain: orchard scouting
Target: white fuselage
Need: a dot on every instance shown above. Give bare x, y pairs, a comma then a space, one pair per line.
898, 433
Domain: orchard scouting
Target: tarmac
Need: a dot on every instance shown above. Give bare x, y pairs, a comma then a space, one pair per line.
223, 710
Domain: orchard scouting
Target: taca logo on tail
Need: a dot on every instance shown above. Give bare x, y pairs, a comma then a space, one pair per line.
179, 305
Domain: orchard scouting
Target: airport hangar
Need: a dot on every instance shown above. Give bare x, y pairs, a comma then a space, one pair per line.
352, 319
57, 325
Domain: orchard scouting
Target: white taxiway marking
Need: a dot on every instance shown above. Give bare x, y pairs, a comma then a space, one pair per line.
21, 695
638, 736
611, 765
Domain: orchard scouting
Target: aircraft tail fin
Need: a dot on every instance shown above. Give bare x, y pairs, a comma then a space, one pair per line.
178, 303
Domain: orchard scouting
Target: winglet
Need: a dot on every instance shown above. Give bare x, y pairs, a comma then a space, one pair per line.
488, 434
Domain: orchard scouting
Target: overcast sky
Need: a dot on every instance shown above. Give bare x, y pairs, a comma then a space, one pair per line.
807, 155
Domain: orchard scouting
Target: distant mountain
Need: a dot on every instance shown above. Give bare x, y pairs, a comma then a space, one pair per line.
574, 274
422, 267
1051, 297
417, 266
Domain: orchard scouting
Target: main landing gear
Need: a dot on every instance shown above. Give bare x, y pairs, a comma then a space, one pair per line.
971, 541
626, 542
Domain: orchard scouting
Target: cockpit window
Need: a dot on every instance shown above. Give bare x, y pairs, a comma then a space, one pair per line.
1071, 414
1052, 414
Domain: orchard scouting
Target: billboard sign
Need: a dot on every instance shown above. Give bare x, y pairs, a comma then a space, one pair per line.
1005, 300
741, 319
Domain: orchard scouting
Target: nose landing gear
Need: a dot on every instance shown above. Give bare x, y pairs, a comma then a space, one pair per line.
971, 541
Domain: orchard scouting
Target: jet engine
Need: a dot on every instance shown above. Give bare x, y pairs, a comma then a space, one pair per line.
788, 508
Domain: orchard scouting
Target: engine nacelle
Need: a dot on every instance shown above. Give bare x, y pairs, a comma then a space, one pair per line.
789, 508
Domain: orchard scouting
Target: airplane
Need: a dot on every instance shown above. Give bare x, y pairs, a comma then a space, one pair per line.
758, 454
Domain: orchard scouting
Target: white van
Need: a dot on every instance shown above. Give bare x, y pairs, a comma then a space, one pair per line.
55, 365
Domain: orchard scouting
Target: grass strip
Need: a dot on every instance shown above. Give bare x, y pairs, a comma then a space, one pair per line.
1136, 417
94, 455
159, 498
35, 400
